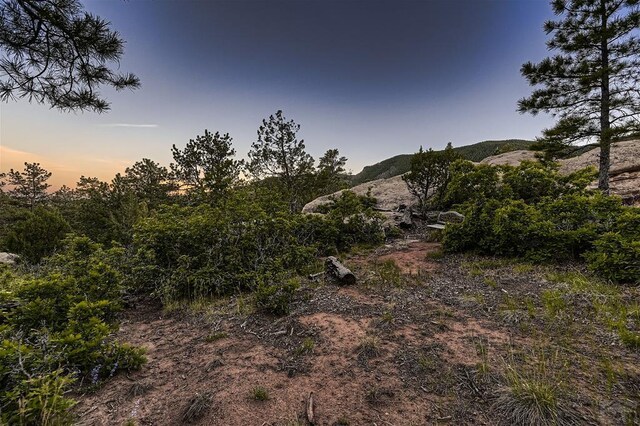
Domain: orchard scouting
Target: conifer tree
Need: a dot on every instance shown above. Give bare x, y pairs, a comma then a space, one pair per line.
206, 167
591, 85
29, 186
54, 52
279, 154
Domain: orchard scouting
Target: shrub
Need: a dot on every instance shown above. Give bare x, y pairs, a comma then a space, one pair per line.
275, 298
38, 234
57, 327
195, 252
559, 221
616, 257
354, 220
40, 400
471, 183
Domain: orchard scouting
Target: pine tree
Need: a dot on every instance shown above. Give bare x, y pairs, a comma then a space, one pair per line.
54, 52
279, 154
29, 186
591, 86
206, 167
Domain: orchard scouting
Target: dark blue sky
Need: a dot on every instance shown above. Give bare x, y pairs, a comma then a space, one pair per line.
372, 78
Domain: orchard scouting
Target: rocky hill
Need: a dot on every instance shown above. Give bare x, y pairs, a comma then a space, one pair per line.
400, 164
392, 193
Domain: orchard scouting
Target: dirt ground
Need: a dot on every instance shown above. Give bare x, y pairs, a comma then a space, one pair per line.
430, 348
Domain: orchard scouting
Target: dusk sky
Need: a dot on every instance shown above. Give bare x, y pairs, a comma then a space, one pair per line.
371, 78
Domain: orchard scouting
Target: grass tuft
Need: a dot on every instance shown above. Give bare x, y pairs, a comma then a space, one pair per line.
216, 336
197, 407
259, 393
369, 347
306, 347
533, 398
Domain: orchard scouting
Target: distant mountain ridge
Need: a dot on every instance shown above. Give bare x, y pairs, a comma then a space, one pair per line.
400, 164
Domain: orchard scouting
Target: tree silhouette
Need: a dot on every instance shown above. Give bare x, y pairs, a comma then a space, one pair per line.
53, 52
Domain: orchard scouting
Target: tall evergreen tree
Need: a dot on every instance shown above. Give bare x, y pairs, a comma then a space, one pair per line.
29, 186
591, 85
279, 154
206, 167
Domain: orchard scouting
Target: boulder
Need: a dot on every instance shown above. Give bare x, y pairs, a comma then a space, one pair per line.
450, 217
9, 258
391, 194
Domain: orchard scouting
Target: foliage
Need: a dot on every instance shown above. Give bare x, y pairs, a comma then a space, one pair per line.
429, 176
533, 212
205, 168
353, 219
56, 53
37, 234
330, 175
29, 186
193, 252
57, 328
616, 254
278, 153
275, 297
149, 181
591, 84
471, 183
240, 244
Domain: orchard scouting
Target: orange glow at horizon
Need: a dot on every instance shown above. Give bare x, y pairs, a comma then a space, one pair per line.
64, 171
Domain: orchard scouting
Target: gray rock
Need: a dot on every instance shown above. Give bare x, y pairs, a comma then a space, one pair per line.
450, 217
9, 258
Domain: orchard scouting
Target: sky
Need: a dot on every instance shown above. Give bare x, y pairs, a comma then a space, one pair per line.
372, 78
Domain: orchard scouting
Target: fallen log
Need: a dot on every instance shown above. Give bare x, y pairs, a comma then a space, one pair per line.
339, 272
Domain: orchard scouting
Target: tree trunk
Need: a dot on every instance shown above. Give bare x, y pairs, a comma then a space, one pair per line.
605, 131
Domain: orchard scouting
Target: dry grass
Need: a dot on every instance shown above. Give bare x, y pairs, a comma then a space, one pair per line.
198, 405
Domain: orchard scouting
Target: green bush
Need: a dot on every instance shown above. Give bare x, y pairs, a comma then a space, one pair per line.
616, 257
37, 235
192, 252
196, 252
470, 184
40, 400
274, 298
58, 327
534, 212
354, 221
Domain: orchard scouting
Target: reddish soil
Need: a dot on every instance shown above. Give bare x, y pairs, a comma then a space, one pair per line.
371, 355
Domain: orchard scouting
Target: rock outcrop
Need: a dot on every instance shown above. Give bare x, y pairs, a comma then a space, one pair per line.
511, 158
391, 194
393, 197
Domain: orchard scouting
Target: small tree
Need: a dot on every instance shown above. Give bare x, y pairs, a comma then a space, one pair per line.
330, 174
29, 186
592, 84
54, 52
279, 154
205, 168
429, 175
